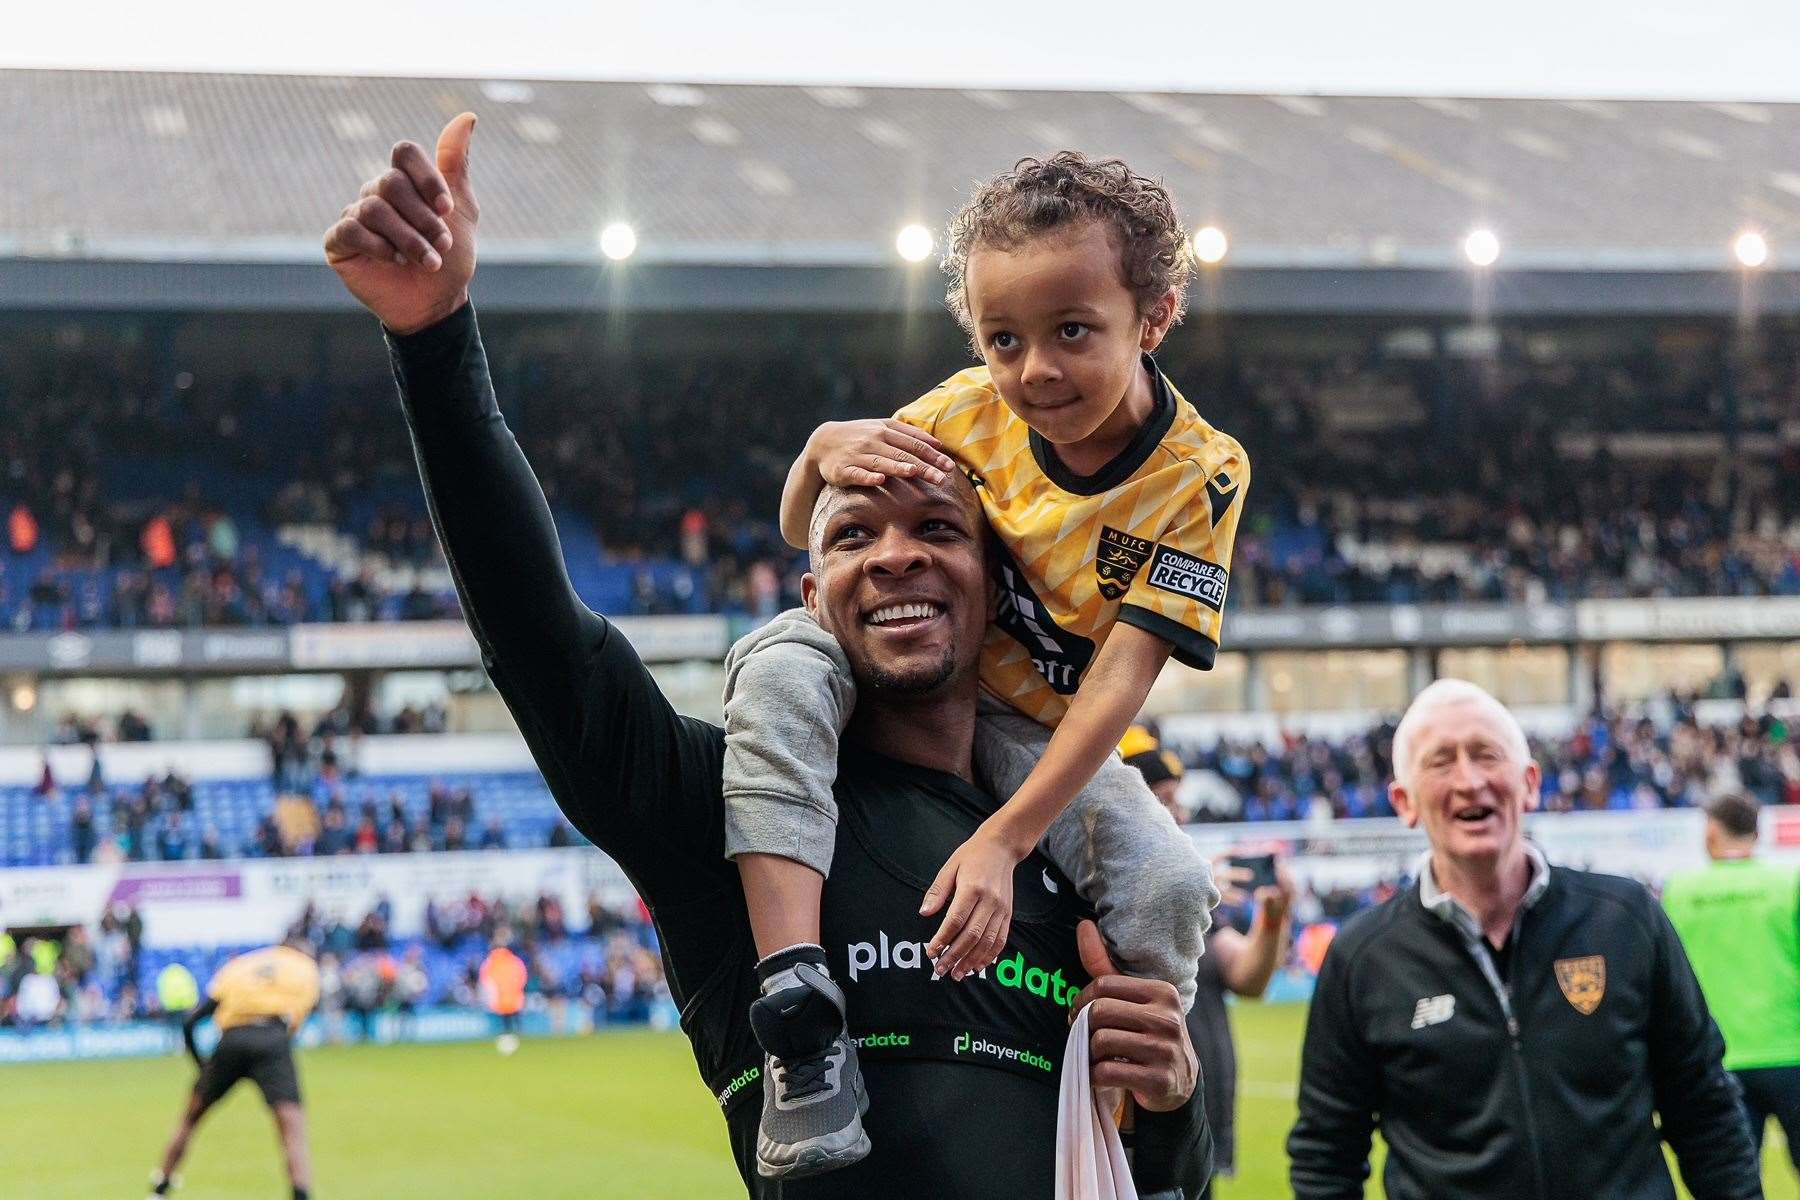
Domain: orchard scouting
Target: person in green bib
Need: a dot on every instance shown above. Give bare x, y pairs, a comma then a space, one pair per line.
1739, 918
176, 991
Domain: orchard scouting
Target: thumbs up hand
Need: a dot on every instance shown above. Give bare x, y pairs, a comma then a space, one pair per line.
406, 246
1138, 1038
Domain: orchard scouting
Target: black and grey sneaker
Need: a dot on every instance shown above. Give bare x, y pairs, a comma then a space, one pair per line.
813, 1096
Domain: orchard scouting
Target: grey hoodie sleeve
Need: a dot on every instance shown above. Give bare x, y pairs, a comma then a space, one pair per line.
788, 694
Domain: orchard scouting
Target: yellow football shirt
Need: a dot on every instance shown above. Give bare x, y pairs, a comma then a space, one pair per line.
1145, 540
276, 982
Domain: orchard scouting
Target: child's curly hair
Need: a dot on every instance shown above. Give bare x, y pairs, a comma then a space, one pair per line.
1041, 195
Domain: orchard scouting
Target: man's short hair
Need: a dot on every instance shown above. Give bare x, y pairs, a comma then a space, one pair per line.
1442, 694
956, 482
1734, 813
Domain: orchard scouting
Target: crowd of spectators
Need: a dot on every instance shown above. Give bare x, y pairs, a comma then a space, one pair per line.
319, 808
1502, 484
293, 748
1491, 501
600, 967
155, 822
83, 975
1659, 755
1549, 530
390, 827
301, 752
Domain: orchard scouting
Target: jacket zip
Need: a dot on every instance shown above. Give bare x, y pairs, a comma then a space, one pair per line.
1503, 992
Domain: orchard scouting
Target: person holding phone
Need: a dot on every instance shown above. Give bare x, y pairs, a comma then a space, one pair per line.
1237, 961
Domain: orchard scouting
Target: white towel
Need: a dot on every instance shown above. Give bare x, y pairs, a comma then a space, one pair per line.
1090, 1159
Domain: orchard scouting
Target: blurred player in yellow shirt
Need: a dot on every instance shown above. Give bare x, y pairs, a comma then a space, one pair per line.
259, 1001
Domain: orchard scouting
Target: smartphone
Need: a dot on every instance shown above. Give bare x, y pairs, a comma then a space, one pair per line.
1260, 866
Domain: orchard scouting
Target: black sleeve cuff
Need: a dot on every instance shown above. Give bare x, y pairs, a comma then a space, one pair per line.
1192, 648
451, 329
1172, 1152
442, 373
437, 358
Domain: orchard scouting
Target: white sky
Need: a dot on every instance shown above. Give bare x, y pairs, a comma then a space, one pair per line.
1683, 49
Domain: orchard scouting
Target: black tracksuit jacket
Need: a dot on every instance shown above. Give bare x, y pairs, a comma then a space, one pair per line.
1546, 1100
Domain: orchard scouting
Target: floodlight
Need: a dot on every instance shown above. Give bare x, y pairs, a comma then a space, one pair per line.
1751, 248
1210, 244
1482, 248
914, 243
618, 241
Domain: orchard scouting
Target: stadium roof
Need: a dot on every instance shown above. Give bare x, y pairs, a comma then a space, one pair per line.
213, 169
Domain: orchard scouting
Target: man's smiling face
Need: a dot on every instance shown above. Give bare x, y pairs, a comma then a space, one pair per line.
1467, 779
899, 576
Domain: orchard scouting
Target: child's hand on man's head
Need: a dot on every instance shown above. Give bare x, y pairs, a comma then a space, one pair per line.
868, 453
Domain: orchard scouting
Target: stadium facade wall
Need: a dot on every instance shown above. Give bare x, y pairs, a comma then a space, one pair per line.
174, 277
238, 901
448, 644
246, 758
412, 645
234, 902
1648, 845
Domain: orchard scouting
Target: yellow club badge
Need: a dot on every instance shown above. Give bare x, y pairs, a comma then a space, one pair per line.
1583, 981
1117, 560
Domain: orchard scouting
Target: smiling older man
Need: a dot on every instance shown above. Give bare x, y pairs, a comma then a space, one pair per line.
1514, 1029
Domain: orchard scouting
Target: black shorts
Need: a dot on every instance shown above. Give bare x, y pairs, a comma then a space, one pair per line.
260, 1052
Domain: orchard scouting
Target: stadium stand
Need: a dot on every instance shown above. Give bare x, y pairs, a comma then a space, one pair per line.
1517, 495
239, 818
279, 493
1660, 755
603, 962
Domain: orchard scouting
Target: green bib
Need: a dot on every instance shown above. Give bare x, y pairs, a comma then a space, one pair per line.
1739, 921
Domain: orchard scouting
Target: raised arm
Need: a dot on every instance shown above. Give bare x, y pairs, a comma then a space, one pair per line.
1248, 963
639, 781
490, 514
406, 249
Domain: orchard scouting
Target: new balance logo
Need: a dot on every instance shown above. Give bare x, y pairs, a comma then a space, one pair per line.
1433, 1010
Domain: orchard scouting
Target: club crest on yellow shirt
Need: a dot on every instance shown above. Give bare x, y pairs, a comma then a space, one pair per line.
1583, 981
1118, 559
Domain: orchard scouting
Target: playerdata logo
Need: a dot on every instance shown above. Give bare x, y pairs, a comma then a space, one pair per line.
739, 1084
883, 1041
981, 1047
1014, 972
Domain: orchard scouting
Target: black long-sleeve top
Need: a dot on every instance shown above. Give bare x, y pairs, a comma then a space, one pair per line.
961, 1077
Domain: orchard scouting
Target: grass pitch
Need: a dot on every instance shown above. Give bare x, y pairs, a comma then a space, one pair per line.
618, 1114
